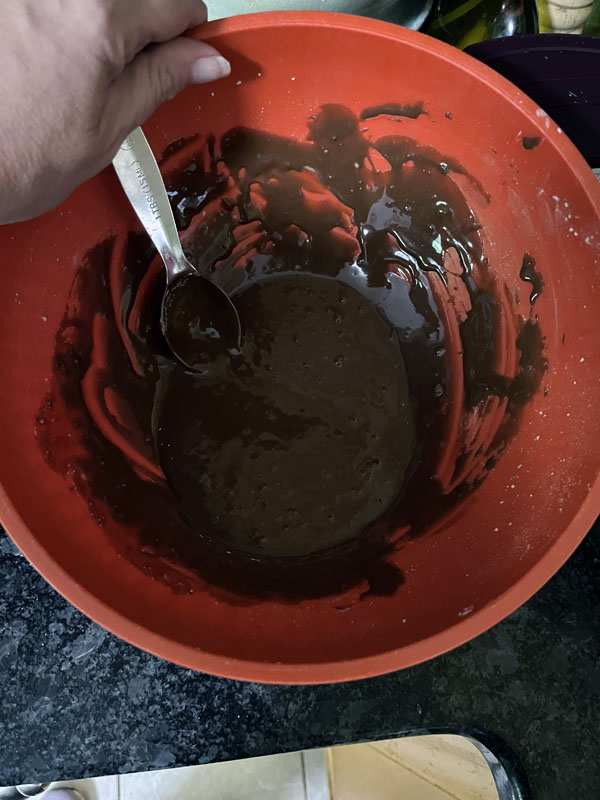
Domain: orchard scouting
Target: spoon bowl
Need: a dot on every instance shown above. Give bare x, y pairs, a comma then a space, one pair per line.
198, 326
198, 319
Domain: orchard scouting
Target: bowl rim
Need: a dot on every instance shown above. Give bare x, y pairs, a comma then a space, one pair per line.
424, 649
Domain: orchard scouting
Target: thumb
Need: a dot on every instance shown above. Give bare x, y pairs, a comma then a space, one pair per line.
157, 74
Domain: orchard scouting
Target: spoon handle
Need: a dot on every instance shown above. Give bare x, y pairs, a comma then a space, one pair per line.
143, 184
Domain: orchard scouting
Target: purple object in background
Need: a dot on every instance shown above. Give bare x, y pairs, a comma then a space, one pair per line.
561, 72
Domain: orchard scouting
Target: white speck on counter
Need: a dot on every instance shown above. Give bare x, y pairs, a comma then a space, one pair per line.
292, 79
466, 611
44, 318
259, 74
581, 360
238, 83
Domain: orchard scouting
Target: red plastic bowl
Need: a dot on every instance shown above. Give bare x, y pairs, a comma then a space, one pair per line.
535, 506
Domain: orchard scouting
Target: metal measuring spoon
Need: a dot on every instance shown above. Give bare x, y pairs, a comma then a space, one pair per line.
198, 319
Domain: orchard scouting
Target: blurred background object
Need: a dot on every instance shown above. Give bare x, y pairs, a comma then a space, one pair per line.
591, 27
564, 16
409, 13
465, 22
458, 22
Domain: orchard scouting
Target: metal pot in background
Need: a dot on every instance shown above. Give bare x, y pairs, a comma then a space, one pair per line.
409, 13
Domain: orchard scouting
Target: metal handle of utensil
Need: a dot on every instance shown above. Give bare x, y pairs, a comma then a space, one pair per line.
143, 184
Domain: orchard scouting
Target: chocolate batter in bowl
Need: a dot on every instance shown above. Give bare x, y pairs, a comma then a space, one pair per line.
372, 326
366, 469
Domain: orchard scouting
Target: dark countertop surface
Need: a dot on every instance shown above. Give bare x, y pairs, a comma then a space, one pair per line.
75, 701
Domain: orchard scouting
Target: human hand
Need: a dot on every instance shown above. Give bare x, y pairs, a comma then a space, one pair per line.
77, 77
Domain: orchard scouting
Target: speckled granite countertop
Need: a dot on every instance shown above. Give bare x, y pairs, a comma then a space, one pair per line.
75, 701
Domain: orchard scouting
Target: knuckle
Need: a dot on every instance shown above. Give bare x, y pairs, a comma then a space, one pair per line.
164, 82
112, 37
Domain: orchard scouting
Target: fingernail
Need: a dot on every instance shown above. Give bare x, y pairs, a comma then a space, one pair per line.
210, 68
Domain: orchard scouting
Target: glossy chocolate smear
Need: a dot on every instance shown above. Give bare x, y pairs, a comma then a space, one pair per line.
370, 394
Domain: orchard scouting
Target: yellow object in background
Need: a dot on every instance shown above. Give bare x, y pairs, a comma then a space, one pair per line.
465, 22
419, 768
563, 16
